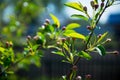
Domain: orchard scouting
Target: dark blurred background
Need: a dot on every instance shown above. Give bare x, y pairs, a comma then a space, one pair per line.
20, 18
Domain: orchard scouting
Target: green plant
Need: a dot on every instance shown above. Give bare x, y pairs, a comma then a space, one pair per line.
63, 40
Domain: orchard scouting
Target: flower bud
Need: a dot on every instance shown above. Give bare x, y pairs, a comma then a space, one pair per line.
36, 37
78, 78
102, 4
63, 28
92, 4
47, 21
88, 76
75, 68
115, 52
63, 40
7, 44
96, 6
45, 24
30, 50
11, 44
85, 8
28, 37
99, 35
58, 43
89, 27
108, 40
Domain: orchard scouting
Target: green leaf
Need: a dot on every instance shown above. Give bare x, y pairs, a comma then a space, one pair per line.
72, 26
58, 53
84, 55
74, 35
55, 20
80, 16
66, 47
69, 31
101, 50
102, 37
75, 6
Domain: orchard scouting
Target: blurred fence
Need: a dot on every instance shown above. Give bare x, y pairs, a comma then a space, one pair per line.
101, 68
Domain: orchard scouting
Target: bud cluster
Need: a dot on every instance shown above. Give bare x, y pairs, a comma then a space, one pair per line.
96, 6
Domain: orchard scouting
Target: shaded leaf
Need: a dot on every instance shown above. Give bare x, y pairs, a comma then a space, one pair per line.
72, 26
101, 50
75, 6
55, 20
80, 16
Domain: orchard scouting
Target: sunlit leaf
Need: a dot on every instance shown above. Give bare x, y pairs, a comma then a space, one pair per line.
69, 31
102, 37
75, 5
75, 35
84, 55
55, 20
80, 17
101, 50
72, 26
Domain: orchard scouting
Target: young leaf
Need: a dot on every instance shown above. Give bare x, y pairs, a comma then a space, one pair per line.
75, 6
55, 20
58, 53
80, 16
102, 37
101, 50
75, 35
72, 26
84, 55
